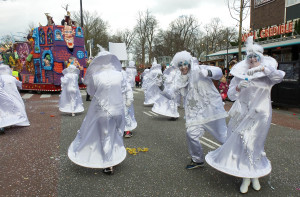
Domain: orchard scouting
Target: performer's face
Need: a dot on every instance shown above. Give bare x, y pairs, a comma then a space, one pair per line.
253, 60
184, 67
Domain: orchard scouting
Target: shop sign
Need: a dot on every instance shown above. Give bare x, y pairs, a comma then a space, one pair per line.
270, 31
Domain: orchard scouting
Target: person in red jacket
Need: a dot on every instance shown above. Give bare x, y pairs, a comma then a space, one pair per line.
137, 80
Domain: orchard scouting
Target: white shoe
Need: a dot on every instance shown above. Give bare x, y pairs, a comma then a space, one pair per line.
245, 185
73, 114
255, 184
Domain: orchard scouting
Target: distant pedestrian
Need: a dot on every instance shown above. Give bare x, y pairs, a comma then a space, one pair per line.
223, 88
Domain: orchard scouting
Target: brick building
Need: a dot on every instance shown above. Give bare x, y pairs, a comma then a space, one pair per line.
275, 25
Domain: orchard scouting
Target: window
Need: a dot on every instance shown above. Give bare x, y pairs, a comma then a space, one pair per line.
291, 71
291, 2
58, 35
258, 3
42, 36
79, 32
49, 36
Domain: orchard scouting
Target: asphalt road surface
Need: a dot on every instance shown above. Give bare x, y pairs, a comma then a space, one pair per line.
34, 161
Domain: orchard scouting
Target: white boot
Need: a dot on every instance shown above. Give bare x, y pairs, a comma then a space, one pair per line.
245, 185
255, 184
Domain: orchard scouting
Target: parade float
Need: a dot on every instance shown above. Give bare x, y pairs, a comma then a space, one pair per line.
48, 50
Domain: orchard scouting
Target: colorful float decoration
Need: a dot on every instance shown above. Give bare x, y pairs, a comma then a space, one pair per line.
41, 60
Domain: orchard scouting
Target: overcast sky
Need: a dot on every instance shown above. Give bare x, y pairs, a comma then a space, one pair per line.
16, 15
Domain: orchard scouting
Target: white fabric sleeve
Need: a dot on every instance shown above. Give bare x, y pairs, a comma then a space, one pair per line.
216, 72
181, 84
232, 93
276, 76
19, 84
90, 88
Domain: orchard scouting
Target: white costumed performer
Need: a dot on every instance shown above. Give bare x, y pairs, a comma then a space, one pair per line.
12, 108
70, 100
130, 122
155, 80
167, 102
204, 110
99, 141
131, 73
243, 153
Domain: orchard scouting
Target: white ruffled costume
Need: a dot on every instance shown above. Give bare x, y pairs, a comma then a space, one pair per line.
145, 79
99, 141
128, 102
154, 78
167, 102
204, 110
12, 108
131, 73
70, 100
243, 153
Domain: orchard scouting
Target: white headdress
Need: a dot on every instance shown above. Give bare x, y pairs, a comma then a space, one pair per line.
181, 57
251, 47
131, 64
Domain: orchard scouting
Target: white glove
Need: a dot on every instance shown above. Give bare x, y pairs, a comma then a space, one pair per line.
243, 84
254, 70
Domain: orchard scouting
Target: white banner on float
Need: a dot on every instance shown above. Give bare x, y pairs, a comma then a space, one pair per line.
118, 49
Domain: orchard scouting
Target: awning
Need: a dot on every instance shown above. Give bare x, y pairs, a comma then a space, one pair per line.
270, 44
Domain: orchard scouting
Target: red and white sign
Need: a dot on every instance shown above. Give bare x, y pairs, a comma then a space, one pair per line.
270, 31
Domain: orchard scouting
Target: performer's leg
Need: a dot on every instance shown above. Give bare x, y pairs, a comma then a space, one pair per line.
245, 185
195, 149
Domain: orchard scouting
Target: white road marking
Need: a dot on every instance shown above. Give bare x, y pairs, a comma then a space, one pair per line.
27, 96
140, 90
45, 96
211, 141
147, 113
204, 143
153, 113
134, 92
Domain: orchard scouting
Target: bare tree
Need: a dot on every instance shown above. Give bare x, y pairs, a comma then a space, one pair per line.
128, 37
94, 28
145, 31
239, 10
183, 30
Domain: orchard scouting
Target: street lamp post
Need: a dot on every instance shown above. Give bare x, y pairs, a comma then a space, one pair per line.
81, 17
227, 63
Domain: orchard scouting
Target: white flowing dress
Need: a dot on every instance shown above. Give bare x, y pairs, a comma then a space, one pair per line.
243, 155
154, 82
70, 100
99, 141
167, 102
12, 108
129, 111
131, 73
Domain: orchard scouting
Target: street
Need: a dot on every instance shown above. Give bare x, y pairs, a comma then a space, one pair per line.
34, 161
